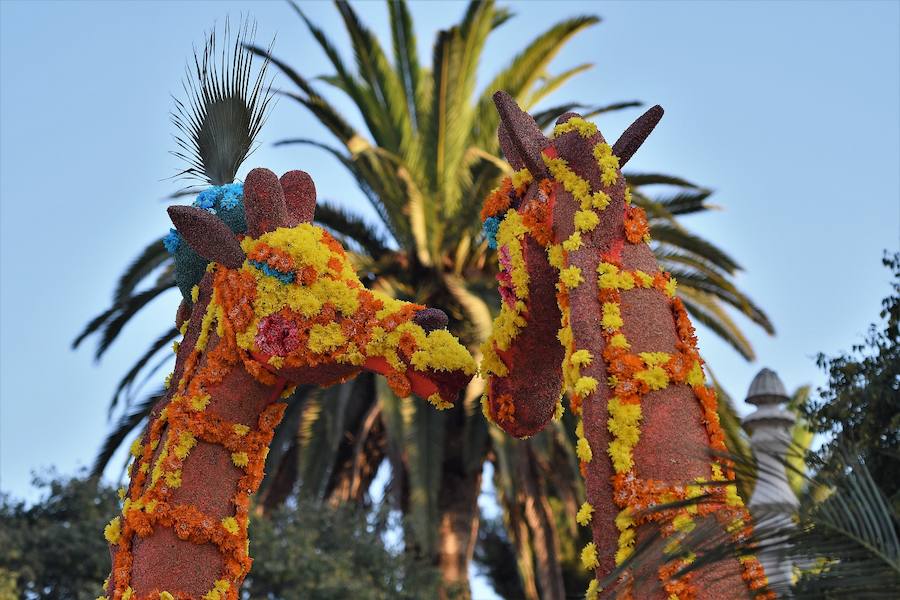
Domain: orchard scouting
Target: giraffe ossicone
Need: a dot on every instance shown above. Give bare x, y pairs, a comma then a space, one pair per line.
272, 309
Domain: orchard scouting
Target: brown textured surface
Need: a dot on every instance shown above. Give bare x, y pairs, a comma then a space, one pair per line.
632, 138
165, 563
528, 141
207, 235
644, 335
264, 204
536, 389
299, 197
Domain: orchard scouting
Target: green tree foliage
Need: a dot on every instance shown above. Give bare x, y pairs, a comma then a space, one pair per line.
54, 549
860, 404
312, 552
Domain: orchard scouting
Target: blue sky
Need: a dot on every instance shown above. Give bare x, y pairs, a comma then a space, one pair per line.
788, 110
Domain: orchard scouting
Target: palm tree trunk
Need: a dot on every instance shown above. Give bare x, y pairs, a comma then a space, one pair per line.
543, 530
458, 511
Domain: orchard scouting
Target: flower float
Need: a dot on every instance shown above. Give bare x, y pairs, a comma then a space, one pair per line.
277, 307
586, 310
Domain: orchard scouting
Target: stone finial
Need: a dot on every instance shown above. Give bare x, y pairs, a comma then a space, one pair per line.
773, 501
767, 392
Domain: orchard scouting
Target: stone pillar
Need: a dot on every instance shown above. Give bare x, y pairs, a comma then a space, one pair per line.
772, 502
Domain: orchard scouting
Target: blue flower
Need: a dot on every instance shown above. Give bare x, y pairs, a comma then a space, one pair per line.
232, 196
490, 227
171, 241
207, 198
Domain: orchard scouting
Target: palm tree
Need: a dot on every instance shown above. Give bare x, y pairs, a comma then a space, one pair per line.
428, 157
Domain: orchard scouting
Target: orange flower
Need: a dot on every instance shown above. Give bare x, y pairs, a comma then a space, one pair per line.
636, 228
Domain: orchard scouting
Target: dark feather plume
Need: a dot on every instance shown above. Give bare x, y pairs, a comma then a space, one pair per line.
225, 108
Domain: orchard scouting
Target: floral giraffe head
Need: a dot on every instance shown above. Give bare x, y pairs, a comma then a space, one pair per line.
531, 225
289, 297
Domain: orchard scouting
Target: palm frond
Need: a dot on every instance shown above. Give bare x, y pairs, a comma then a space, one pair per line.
639, 179
677, 236
147, 261
522, 72
224, 110
705, 309
844, 545
128, 380
726, 291
125, 426
685, 203
406, 57
381, 78
352, 228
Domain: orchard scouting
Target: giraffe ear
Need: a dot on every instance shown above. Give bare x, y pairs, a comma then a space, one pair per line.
522, 135
207, 236
509, 150
299, 197
632, 138
263, 202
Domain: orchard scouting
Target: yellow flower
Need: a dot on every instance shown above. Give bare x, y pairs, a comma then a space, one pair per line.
593, 590
612, 318
584, 128
571, 277
199, 403
220, 589
241, 430
619, 341
555, 255
573, 243
583, 450
186, 441
173, 478
231, 525
589, 556
585, 386
113, 530
656, 378
136, 447
240, 459
439, 403
323, 338
695, 377
643, 279
581, 358
584, 514
670, 287
586, 220
521, 177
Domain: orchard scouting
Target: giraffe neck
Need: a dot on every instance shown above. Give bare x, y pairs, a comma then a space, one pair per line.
646, 418
183, 530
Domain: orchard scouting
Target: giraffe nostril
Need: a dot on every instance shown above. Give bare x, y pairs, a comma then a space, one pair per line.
430, 319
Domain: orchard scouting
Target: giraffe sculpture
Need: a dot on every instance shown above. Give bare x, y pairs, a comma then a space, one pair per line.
278, 307
586, 309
